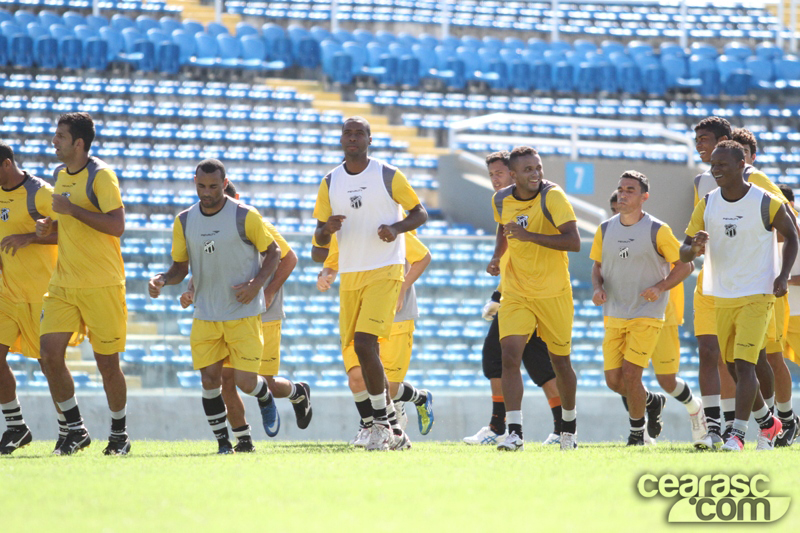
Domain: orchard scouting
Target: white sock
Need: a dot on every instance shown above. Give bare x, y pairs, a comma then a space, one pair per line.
568, 415
116, 415
784, 407
514, 417
770, 401
761, 413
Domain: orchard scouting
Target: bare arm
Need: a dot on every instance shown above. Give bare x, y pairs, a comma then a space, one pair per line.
245, 292
285, 268
786, 227
319, 254
13, 243
500, 246
693, 246
679, 272
176, 274
325, 229
599, 297
568, 238
111, 223
416, 217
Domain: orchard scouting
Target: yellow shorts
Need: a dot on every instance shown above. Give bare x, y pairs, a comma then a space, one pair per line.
369, 309
778, 326
633, 340
101, 310
705, 318
19, 326
792, 352
551, 316
742, 325
271, 354
667, 353
395, 352
240, 341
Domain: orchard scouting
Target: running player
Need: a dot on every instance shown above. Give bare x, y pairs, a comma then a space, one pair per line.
666, 363
733, 226
776, 339
299, 394
632, 253
395, 352
535, 357
363, 199
537, 226
223, 240
88, 286
27, 267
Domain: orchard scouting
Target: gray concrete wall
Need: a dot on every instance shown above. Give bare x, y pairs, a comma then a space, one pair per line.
178, 415
671, 198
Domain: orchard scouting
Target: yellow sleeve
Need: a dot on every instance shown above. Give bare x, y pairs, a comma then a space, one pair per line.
256, 231
668, 246
44, 201
318, 245
774, 205
596, 254
415, 250
322, 209
760, 179
697, 222
106, 188
180, 253
494, 210
402, 193
559, 207
276, 235
696, 198
332, 261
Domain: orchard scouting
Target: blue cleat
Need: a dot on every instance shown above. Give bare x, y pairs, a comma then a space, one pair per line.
270, 416
425, 413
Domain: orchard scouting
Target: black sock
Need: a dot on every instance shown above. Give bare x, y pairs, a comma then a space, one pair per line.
216, 413
365, 412
625, 402
786, 416
262, 393
409, 393
712, 418
515, 428
766, 421
498, 422
556, 419
298, 392
242, 432
637, 427
570, 426
730, 416
63, 429
118, 426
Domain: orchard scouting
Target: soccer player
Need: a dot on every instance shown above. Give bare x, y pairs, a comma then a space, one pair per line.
395, 352
733, 226
362, 199
537, 227
88, 286
714, 380
223, 240
299, 394
28, 262
631, 276
776, 337
535, 357
666, 362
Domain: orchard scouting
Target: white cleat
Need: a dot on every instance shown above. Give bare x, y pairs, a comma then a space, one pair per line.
569, 441
400, 442
512, 443
698, 420
486, 436
402, 417
552, 438
648, 440
380, 438
710, 441
362, 438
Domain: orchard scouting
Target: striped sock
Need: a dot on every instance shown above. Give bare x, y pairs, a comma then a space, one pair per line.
118, 424
216, 412
712, 411
72, 414
261, 391
241, 432
62, 425
13, 414
392, 416
364, 408
378, 402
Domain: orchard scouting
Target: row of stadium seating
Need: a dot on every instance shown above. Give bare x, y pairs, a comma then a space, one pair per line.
618, 19
132, 7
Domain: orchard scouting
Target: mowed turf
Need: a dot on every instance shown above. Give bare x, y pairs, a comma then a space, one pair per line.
328, 486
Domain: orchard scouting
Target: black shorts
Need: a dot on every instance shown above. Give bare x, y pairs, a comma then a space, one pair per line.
535, 357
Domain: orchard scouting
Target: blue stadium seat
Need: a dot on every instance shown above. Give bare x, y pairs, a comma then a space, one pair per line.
254, 53
84, 32
119, 22
3, 50
70, 52
768, 51
46, 52
21, 50
60, 31
96, 21
279, 47
168, 58
10, 28
704, 50
73, 18
116, 44
146, 23
244, 28
215, 28
230, 50
36, 30
147, 61
629, 77
737, 83
762, 72
47, 18
207, 53
157, 36
24, 17
655, 80
542, 76
169, 24
186, 44
726, 66
192, 27
710, 84
341, 68
737, 50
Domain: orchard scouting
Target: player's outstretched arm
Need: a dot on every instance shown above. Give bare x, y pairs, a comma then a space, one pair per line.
568, 238
325, 229
693, 246
111, 223
176, 273
599, 297
787, 228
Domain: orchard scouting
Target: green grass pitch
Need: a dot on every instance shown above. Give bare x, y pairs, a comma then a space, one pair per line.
328, 486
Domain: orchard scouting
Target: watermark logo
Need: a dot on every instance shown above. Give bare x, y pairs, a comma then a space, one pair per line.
716, 498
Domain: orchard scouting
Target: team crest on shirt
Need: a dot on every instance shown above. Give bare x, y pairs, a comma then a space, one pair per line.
730, 230
623, 252
522, 220
208, 247
355, 201
4, 214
